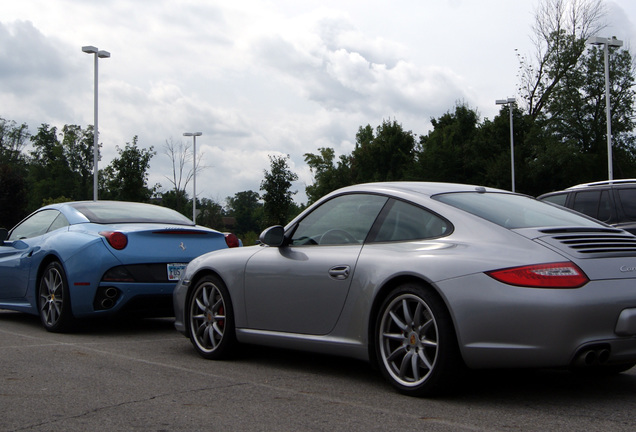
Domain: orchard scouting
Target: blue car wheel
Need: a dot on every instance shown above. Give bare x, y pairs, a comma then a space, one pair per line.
54, 303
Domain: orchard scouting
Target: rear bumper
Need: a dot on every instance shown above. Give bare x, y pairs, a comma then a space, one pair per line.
502, 326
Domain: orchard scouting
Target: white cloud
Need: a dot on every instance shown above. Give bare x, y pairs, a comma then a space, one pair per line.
259, 78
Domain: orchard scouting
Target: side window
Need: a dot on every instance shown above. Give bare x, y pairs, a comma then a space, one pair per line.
556, 199
405, 222
604, 207
59, 222
38, 224
587, 202
345, 219
628, 202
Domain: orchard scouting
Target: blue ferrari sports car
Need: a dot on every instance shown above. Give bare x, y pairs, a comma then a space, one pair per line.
95, 258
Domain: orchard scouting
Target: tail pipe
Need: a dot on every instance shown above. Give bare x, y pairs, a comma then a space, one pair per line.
590, 356
105, 298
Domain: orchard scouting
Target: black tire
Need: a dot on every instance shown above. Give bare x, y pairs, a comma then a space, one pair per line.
416, 344
53, 299
211, 319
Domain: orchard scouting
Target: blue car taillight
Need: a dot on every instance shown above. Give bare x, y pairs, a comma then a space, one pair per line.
116, 239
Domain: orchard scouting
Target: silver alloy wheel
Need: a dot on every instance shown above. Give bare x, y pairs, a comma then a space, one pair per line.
408, 340
51, 297
207, 317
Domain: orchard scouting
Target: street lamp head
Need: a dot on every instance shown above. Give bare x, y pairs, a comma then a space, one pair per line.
614, 42
89, 49
597, 40
192, 133
505, 101
103, 54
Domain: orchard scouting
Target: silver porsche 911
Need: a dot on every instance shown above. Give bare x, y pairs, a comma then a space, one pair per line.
424, 279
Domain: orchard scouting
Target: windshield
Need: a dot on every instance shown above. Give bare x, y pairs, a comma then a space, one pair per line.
110, 212
515, 211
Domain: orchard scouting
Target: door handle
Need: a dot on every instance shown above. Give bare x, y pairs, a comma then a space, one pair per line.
340, 272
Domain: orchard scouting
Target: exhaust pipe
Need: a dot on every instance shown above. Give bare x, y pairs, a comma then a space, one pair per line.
105, 298
603, 356
586, 358
592, 356
107, 303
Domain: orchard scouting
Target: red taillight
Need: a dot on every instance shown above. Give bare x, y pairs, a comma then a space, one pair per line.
553, 275
116, 239
231, 240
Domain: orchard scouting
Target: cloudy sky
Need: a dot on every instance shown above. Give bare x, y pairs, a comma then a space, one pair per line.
261, 77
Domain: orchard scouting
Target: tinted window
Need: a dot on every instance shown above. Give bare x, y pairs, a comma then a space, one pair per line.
587, 202
514, 211
345, 219
407, 222
556, 199
628, 201
109, 212
38, 224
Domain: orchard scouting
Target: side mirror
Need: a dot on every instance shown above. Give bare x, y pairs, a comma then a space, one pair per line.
273, 236
4, 233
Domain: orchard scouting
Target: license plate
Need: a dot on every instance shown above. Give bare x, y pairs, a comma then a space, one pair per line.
175, 270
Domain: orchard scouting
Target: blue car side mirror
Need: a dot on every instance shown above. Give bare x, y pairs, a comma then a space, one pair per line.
3, 234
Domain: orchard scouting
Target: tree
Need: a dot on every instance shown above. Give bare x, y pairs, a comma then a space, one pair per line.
387, 155
50, 175
179, 154
13, 139
125, 178
327, 176
559, 33
246, 208
13, 173
278, 202
210, 214
77, 144
450, 152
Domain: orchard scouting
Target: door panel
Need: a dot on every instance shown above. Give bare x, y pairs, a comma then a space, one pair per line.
299, 289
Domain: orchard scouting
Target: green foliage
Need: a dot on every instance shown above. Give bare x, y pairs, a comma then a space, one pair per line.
177, 200
125, 178
13, 172
448, 153
50, 174
385, 156
13, 194
210, 214
246, 208
327, 176
278, 202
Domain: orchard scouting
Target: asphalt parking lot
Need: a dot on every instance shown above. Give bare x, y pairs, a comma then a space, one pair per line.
143, 375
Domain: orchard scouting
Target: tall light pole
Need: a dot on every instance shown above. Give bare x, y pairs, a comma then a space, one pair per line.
194, 136
509, 102
607, 42
98, 54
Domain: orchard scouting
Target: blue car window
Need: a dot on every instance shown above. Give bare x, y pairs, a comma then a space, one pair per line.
345, 219
35, 225
59, 222
112, 212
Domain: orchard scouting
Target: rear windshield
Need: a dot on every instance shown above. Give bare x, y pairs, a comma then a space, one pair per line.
110, 212
515, 211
